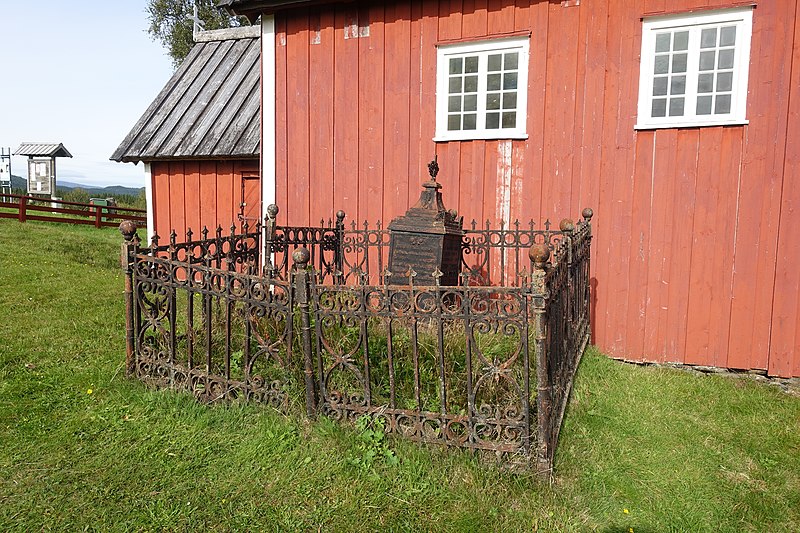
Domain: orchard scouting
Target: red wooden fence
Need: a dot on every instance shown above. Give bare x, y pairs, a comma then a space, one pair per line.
24, 208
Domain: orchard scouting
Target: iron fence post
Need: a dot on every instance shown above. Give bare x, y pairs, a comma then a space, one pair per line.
540, 254
300, 284
587, 215
130, 247
269, 235
338, 257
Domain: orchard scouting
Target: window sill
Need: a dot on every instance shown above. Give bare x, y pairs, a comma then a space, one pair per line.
639, 127
482, 137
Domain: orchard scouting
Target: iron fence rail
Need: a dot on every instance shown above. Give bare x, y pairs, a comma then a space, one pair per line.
487, 364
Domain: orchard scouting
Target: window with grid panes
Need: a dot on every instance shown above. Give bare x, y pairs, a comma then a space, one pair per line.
481, 90
694, 69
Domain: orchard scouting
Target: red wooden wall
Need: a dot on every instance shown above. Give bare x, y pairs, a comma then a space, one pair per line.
193, 194
696, 250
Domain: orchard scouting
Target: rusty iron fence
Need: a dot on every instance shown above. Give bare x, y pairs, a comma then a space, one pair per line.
305, 315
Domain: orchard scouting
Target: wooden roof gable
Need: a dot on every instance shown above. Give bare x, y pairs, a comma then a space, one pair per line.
209, 109
42, 150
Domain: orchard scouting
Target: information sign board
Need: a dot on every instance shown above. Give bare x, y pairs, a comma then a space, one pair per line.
40, 176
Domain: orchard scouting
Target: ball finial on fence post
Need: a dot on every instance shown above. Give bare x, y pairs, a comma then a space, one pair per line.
566, 225
128, 229
272, 211
587, 214
301, 256
539, 254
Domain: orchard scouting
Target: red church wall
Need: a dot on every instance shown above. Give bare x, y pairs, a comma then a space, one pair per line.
696, 249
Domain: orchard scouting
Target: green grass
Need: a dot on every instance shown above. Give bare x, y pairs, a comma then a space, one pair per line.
680, 452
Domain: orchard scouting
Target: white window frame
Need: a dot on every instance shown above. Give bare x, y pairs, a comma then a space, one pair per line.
483, 49
742, 18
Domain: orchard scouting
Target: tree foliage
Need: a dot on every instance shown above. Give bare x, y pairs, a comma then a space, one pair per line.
171, 23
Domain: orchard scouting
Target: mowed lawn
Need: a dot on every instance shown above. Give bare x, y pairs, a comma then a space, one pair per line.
84, 447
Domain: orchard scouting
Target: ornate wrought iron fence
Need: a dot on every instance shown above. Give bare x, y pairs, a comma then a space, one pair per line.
487, 364
351, 253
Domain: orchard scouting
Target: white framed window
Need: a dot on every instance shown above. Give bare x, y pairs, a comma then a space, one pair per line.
694, 69
482, 89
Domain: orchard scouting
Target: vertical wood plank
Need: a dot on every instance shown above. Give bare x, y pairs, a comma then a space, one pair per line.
346, 111
705, 238
680, 254
297, 127
192, 181
560, 128
500, 16
655, 6
449, 153
729, 173
415, 119
450, 19
773, 25
623, 157
371, 113
784, 358
226, 212
397, 106
177, 198
208, 195
490, 163
539, 14
637, 305
321, 100
161, 198
604, 223
281, 134
590, 110
658, 267
426, 103
474, 19
470, 193
521, 192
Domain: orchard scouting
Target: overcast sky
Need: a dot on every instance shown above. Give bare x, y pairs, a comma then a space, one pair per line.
80, 73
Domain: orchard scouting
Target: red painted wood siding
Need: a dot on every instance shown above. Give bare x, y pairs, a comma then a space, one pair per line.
696, 249
193, 194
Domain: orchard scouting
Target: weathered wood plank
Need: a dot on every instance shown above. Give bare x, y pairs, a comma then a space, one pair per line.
321, 129
784, 357
371, 64
346, 111
397, 106
282, 139
298, 117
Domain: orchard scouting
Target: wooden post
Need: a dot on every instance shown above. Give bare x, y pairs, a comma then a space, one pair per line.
127, 257
23, 208
300, 284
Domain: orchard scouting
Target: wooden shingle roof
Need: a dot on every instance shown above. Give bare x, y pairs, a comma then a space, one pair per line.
209, 109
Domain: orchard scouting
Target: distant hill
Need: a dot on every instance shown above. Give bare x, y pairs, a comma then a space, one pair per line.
18, 182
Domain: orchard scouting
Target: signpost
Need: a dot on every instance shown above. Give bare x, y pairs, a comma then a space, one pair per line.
42, 166
5, 172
